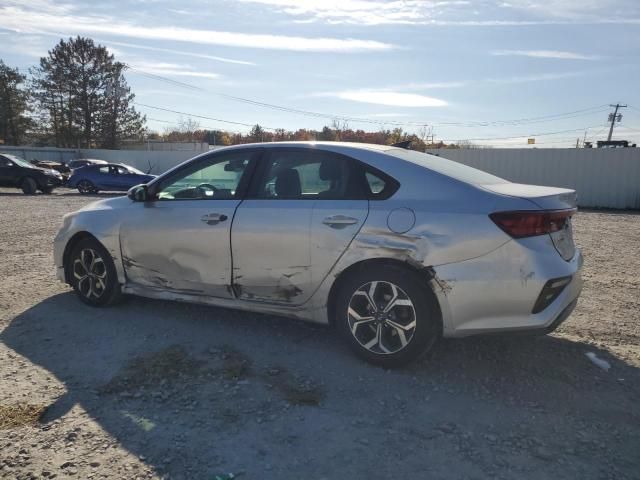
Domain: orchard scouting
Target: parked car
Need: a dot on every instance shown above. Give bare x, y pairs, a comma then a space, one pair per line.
64, 170
108, 176
393, 247
16, 172
83, 162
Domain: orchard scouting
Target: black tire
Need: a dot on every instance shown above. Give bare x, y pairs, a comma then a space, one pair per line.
86, 187
47, 190
100, 287
28, 186
423, 309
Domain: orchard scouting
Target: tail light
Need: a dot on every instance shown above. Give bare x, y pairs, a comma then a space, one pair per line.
530, 223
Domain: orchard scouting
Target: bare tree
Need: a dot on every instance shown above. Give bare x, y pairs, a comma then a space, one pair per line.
188, 126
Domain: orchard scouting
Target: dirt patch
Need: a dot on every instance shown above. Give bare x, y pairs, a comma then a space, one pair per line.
235, 365
20, 415
154, 369
296, 391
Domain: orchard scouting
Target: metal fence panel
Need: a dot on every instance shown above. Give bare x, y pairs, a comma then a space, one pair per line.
603, 178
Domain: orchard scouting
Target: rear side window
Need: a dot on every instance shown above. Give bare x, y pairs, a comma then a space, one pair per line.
317, 175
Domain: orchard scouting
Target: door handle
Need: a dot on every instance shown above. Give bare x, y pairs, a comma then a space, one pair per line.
339, 221
213, 218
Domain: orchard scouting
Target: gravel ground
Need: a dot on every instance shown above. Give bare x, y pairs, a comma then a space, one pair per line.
153, 389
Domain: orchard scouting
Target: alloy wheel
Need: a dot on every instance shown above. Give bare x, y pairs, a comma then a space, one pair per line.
382, 317
84, 186
90, 272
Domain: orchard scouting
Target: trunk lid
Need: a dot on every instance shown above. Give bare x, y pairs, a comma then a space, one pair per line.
547, 198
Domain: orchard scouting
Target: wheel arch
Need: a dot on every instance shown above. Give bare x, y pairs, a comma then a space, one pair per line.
24, 176
426, 273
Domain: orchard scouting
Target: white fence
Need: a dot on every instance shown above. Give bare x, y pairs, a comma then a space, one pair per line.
603, 178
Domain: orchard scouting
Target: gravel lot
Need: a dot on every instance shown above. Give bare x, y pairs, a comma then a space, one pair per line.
153, 389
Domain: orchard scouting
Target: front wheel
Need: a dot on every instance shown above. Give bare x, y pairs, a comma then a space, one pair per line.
388, 315
29, 186
47, 190
92, 274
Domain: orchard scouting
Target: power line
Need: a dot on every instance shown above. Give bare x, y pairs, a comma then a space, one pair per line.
520, 136
332, 116
201, 116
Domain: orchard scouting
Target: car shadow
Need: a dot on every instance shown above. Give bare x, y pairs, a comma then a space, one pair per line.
195, 390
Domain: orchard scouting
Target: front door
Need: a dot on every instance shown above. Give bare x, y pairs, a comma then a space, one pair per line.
303, 210
180, 241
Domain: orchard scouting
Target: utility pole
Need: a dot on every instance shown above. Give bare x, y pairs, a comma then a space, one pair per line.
614, 117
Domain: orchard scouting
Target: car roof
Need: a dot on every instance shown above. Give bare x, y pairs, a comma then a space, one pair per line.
361, 146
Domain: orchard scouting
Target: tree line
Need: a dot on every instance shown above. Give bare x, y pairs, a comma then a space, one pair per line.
189, 131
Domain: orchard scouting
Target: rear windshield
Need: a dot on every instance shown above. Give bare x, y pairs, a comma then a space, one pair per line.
446, 167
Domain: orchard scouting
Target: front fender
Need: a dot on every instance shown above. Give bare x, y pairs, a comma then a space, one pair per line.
100, 220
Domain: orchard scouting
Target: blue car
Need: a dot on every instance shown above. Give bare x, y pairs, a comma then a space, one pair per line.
110, 177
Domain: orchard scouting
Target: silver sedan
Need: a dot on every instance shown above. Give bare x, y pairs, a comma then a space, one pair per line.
392, 247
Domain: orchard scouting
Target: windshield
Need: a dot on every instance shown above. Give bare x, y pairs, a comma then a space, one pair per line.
134, 170
446, 167
18, 161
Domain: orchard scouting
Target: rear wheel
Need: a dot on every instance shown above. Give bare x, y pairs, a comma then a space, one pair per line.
92, 274
85, 187
388, 315
28, 186
47, 190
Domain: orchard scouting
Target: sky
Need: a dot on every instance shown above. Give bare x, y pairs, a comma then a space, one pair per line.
491, 72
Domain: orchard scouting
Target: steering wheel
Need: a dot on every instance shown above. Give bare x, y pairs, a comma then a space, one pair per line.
204, 187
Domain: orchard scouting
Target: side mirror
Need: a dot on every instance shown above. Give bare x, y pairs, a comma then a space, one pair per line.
139, 193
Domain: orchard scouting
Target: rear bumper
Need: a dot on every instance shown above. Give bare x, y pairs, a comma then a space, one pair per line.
496, 293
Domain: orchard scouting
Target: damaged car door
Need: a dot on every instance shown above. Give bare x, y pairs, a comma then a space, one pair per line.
302, 211
179, 239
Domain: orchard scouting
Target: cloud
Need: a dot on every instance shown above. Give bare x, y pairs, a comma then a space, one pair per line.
14, 16
545, 54
540, 77
172, 69
385, 97
367, 12
456, 12
430, 86
178, 52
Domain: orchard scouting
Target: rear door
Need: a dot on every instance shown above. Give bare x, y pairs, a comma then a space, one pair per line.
304, 209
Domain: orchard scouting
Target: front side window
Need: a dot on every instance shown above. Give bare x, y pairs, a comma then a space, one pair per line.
215, 179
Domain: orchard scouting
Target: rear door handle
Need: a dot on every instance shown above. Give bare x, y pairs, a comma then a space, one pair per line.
213, 218
339, 221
